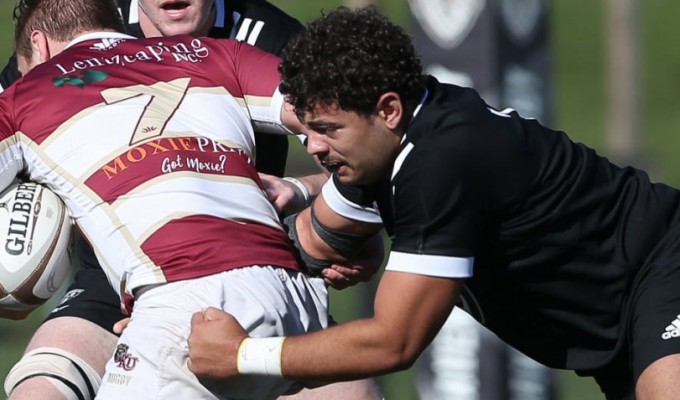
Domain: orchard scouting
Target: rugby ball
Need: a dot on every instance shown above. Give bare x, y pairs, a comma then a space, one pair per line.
35, 251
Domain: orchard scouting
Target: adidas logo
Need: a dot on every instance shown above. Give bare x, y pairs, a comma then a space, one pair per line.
106, 44
672, 330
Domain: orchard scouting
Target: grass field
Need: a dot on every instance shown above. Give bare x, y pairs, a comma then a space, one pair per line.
579, 64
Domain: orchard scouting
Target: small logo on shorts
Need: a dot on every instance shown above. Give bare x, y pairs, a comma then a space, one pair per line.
672, 330
124, 359
71, 294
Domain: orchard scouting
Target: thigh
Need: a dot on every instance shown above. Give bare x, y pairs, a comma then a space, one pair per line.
87, 347
78, 336
659, 381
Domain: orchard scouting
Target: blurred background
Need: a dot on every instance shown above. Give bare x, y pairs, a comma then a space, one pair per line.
604, 71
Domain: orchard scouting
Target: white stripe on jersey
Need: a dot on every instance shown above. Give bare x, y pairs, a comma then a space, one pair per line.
11, 160
133, 18
247, 35
243, 31
233, 198
346, 208
82, 208
265, 113
105, 139
400, 159
252, 38
430, 265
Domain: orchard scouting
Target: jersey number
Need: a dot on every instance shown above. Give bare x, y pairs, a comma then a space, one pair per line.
164, 99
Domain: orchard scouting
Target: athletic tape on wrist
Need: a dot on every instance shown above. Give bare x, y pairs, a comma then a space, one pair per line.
305, 193
260, 356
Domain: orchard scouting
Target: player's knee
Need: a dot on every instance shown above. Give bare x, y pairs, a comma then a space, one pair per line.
72, 376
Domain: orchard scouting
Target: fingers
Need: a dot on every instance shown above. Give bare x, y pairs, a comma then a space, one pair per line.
214, 314
120, 326
345, 271
337, 280
213, 344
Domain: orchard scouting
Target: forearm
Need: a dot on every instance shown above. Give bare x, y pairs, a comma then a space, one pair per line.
409, 310
358, 349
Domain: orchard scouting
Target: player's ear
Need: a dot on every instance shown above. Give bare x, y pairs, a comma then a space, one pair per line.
40, 48
391, 109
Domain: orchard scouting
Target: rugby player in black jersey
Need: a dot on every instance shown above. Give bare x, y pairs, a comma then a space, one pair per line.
76, 339
569, 258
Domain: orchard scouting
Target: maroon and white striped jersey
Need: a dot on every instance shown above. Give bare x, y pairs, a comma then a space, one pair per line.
150, 144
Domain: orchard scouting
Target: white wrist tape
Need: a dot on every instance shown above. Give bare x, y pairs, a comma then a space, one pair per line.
260, 356
305, 193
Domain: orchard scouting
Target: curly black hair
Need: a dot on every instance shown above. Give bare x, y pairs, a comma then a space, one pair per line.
348, 58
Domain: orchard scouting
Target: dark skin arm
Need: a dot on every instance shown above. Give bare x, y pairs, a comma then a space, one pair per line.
409, 310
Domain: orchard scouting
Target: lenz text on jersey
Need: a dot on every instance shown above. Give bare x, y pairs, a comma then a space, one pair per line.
194, 52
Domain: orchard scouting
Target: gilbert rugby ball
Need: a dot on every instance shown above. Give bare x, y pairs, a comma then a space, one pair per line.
35, 255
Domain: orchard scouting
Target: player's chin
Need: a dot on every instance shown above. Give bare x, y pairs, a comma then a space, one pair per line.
173, 28
345, 174
355, 177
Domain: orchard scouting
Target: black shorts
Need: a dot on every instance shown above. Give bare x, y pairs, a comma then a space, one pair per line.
653, 327
90, 296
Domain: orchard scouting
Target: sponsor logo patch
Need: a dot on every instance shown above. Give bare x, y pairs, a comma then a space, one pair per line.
124, 358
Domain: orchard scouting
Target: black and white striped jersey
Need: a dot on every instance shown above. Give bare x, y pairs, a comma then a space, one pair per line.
256, 22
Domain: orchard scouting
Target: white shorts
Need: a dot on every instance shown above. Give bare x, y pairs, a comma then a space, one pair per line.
151, 357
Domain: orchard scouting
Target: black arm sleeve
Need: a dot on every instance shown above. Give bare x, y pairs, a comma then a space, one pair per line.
272, 152
10, 73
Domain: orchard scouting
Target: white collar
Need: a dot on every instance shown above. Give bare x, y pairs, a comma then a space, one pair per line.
415, 112
98, 35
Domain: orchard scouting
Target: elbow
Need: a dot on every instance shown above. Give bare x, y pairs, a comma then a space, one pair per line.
402, 357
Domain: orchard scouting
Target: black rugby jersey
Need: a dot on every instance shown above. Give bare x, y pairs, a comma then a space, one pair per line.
557, 233
256, 22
